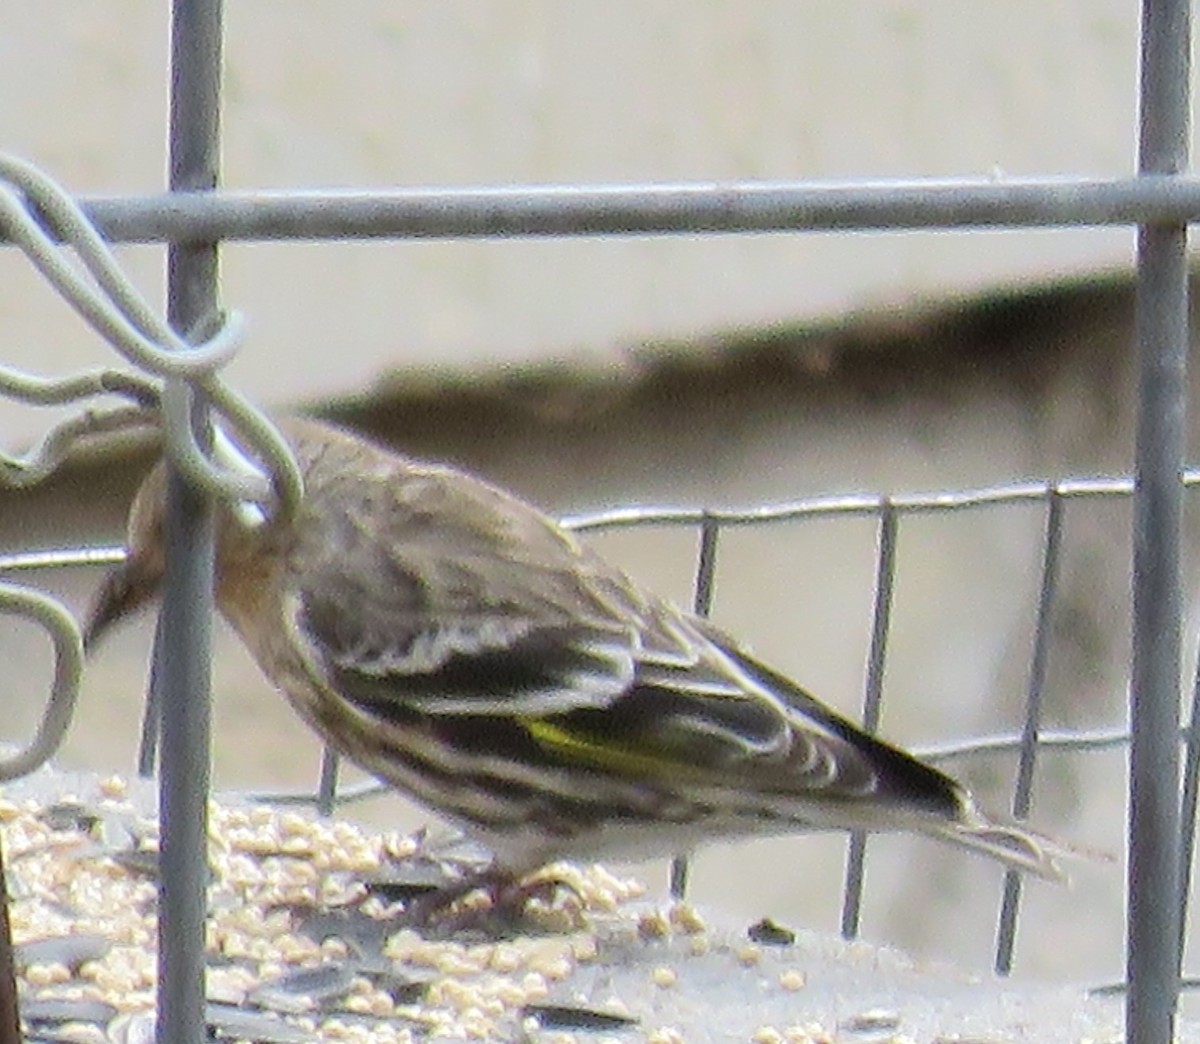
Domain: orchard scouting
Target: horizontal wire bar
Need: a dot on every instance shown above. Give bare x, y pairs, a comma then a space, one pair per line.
868, 503
1076, 741
61, 558
643, 209
347, 794
840, 505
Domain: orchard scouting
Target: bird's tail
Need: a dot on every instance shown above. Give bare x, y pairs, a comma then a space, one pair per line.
1013, 844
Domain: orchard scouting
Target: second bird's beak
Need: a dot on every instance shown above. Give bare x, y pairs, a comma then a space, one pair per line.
125, 590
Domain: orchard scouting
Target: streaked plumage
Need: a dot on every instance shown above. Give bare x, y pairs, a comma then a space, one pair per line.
460, 645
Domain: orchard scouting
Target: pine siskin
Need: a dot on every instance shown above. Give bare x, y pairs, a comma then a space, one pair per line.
461, 646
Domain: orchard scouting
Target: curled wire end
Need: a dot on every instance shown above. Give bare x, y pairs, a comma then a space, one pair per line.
36, 214
195, 463
250, 465
255, 469
141, 391
41, 217
254, 431
60, 625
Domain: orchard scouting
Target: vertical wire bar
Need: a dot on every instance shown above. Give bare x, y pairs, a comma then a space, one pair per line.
10, 1017
327, 784
147, 753
1006, 932
1162, 332
185, 623
1187, 824
183, 680
706, 569
881, 618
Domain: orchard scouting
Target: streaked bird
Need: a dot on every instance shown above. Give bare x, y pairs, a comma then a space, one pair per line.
463, 647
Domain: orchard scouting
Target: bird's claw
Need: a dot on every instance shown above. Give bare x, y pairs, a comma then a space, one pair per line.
490, 902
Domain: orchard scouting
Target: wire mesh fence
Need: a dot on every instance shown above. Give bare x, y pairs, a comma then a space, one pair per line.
888, 512
194, 219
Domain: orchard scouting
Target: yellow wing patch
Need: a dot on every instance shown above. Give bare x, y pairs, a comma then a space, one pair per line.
626, 762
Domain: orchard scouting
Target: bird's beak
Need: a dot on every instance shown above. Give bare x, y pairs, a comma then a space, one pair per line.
125, 590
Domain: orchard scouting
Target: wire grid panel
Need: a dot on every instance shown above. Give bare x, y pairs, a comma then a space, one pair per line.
887, 513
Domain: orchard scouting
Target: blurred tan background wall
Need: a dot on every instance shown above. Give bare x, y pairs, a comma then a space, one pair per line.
717, 371
374, 92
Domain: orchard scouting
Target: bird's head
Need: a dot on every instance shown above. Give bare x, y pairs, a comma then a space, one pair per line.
136, 582
250, 539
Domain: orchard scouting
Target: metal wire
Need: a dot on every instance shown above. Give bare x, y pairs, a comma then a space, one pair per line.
111, 305
10, 1019
35, 209
59, 625
859, 504
1188, 806
702, 598
98, 290
1082, 741
641, 209
1006, 932
327, 785
1155, 930
881, 618
182, 649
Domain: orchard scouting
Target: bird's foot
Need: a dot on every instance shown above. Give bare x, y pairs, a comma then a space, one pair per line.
495, 902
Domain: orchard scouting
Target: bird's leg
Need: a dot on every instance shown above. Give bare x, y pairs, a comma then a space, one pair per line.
507, 895
425, 909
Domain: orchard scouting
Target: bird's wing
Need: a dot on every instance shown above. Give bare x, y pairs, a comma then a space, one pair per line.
457, 600
436, 593
727, 720
445, 594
